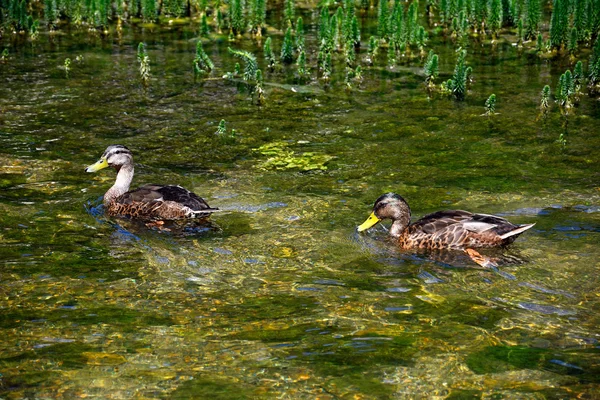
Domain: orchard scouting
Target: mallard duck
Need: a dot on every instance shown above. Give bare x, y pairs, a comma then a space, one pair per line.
149, 202
450, 229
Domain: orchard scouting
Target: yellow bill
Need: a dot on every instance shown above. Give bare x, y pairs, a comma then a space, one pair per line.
100, 164
372, 220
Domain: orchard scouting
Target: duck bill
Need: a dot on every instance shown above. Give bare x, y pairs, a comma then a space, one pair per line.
101, 164
372, 220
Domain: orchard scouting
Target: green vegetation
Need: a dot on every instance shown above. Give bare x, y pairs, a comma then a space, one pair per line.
144, 61
457, 85
202, 64
490, 105
431, 69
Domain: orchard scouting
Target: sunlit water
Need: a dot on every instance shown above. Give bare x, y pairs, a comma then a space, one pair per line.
280, 296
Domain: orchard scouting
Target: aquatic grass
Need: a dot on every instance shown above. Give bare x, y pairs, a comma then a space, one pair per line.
533, 15
289, 11
565, 91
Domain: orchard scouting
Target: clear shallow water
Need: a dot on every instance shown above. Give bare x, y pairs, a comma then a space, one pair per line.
281, 297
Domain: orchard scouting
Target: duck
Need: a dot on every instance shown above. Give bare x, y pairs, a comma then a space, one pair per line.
149, 202
448, 229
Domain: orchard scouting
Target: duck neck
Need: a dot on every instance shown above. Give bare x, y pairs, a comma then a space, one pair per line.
124, 178
399, 225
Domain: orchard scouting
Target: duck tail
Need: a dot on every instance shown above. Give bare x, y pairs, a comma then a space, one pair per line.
517, 231
206, 211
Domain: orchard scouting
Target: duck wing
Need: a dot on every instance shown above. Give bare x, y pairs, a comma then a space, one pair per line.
161, 202
458, 228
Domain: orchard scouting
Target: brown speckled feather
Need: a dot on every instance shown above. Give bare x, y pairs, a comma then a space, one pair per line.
160, 202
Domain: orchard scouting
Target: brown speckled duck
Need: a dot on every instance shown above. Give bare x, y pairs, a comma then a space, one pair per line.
149, 202
450, 229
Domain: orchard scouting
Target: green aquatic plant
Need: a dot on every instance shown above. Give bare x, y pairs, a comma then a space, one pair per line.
237, 20
144, 61
299, 34
421, 39
250, 63
269, 55
289, 11
573, 39
372, 50
301, 64
350, 53
259, 15
545, 101
149, 11
533, 15
67, 67
204, 29
202, 63
383, 18
559, 23
457, 85
281, 158
287, 48
51, 13
594, 68
391, 55
565, 91
222, 134
259, 91
431, 69
324, 28
4, 55
520, 32
490, 105
495, 17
